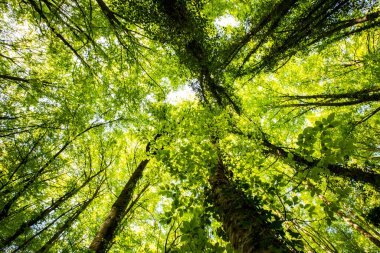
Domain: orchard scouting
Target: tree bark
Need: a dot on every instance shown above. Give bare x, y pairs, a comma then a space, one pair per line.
107, 231
244, 221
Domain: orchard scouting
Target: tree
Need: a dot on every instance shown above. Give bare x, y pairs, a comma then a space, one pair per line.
189, 126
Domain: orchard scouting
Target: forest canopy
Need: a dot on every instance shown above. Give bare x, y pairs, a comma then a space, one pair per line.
189, 126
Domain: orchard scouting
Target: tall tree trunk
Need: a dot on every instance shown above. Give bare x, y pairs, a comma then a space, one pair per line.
24, 160
365, 223
27, 241
359, 228
316, 237
107, 231
342, 99
4, 212
244, 221
25, 225
353, 224
49, 244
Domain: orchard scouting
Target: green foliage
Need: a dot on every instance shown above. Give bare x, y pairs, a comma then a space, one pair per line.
284, 93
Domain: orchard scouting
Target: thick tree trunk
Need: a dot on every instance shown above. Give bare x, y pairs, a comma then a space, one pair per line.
244, 221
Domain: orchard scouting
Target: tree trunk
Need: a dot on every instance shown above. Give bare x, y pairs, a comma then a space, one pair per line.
26, 242
4, 213
353, 224
365, 223
244, 221
351, 173
316, 237
67, 224
24, 160
359, 228
25, 225
5, 210
107, 231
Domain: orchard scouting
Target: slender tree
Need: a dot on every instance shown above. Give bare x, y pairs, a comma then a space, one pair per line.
67, 224
106, 233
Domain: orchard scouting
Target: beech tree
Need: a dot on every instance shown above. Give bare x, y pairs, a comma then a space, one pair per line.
189, 126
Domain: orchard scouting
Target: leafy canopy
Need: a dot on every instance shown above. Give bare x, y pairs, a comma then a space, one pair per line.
261, 119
